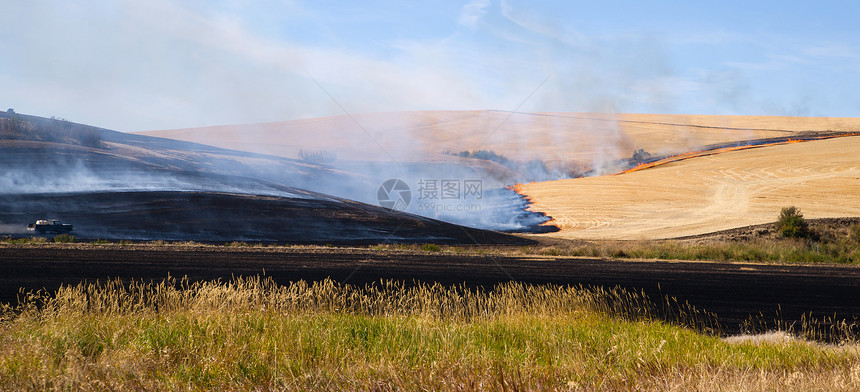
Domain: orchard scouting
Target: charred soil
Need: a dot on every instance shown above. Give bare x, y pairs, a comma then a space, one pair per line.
738, 294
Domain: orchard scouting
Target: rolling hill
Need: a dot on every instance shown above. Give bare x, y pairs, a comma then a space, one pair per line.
689, 197
116, 185
546, 136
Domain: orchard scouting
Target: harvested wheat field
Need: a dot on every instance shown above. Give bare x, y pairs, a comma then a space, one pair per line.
546, 136
709, 193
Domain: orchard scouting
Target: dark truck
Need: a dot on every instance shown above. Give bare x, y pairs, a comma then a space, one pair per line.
44, 226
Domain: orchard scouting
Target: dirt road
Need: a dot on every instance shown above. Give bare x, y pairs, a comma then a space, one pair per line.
731, 290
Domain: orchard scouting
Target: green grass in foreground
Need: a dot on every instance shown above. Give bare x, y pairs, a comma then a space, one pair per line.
253, 334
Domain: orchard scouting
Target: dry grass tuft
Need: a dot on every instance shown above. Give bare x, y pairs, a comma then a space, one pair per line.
252, 334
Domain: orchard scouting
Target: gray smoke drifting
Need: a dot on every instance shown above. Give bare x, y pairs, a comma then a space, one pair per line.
166, 64
358, 154
457, 165
12, 229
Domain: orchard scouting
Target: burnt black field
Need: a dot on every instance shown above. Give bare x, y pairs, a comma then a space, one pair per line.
112, 185
219, 217
733, 293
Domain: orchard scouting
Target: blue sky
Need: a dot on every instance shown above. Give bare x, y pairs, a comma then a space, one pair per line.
158, 64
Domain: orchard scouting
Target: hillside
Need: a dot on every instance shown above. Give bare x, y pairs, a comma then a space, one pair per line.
115, 185
709, 193
546, 136
685, 198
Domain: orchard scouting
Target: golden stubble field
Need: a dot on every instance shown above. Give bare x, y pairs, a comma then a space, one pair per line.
546, 136
706, 194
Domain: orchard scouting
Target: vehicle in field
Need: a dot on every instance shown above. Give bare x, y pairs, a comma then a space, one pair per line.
45, 226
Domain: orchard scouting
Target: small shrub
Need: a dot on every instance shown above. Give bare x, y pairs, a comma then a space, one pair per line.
641, 156
317, 156
550, 251
791, 224
64, 239
430, 248
237, 244
187, 243
90, 138
33, 240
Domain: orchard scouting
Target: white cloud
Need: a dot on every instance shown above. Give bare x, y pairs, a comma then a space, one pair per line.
135, 65
162, 64
472, 12
833, 50
543, 27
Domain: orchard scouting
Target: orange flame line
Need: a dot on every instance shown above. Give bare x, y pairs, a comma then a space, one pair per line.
518, 188
695, 154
